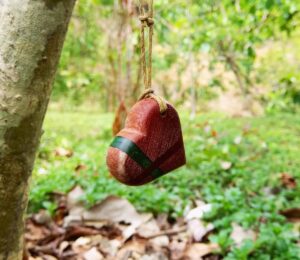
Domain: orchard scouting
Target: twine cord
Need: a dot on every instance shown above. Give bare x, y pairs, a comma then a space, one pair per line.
147, 21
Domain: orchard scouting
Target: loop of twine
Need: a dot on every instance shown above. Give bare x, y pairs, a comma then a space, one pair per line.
147, 21
162, 103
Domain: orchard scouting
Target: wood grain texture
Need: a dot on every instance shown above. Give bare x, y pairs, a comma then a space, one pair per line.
158, 137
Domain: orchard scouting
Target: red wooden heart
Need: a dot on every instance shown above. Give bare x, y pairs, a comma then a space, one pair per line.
149, 146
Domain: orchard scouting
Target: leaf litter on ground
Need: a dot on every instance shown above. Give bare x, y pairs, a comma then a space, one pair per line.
113, 229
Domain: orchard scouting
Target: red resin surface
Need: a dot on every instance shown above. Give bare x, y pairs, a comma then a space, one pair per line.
159, 137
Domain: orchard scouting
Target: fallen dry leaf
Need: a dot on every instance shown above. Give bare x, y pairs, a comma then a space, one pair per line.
73, 198
198, 229
75, 206
35, 232
42, 218
288, 181
120, 118
134, 246
109, 247
95, 240
162, 221
117, 210
80, 167
63, 246
81, 245
62, 152
93, 254
214, 133
238, 140
128, 231
159, 242
199, 211
114, 209
82, 241
112, 229
198, 250
178, 245
154, 256
226, 165
292, 214
148, 229
239, 234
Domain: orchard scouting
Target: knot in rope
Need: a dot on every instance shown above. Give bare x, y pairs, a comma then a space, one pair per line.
162, 103
146, 93
146, 20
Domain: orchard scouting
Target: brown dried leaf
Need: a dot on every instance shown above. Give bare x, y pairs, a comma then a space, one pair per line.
93, 254
35, 232
198, 250
214, 133
292, 214
288, 181
162, 221
198, 229
154, 256
161, 241
63, 246
120, 118
226, 165
239, 234
48, 249
42, 218
117, 210
178, 245
109, 247
148, 229
62, 152
114, 209
80, 167
81, 245
133, 246
199, 211
74, 204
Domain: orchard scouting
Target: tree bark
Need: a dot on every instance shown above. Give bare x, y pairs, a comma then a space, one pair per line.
32, 33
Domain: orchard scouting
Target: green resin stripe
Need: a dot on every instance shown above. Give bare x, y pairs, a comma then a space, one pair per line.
135, 153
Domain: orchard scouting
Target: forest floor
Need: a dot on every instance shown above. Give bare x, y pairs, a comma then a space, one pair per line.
238, 196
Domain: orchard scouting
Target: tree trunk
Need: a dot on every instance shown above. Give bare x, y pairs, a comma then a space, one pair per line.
31, 38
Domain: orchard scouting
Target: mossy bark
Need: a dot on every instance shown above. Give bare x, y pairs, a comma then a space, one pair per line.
31, 38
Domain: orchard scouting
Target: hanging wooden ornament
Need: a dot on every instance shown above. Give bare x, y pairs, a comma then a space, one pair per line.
151, 143
149, 146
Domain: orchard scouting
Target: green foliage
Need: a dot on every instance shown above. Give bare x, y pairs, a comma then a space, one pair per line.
247, 191
234, 164
226, 28
274, 242
285, 96
279, 70
79, 75
228, 32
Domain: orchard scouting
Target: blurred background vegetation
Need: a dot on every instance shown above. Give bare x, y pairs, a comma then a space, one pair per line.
231, 68
249, 49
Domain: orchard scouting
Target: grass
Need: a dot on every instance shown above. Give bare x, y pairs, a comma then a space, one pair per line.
235, 164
